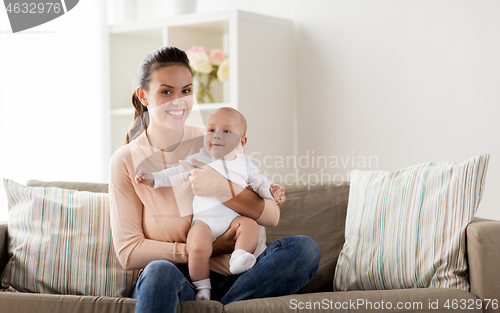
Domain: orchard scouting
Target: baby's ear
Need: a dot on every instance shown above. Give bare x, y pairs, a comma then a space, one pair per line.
243, 141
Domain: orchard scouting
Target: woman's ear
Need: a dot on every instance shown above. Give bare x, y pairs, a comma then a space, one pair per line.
142, 95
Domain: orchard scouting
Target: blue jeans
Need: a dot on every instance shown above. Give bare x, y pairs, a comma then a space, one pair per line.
282, 269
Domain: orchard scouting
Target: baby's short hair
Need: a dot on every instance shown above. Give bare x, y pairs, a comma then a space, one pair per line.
243, 121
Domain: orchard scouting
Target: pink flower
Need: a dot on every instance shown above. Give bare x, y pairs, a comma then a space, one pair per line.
195, 49
200, 62
216, 56
204, 62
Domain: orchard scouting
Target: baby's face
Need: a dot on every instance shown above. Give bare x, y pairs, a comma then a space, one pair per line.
223, 136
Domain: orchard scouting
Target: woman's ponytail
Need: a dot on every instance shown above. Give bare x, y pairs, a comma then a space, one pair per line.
141, 119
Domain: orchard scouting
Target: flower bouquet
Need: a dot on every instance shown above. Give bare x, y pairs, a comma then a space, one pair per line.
207, 66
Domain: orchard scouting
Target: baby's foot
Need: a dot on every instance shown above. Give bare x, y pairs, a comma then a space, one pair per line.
203, 294
241, 261
202, 289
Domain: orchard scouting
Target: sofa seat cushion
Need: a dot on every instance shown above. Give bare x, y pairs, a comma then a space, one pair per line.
418, 300
46, 303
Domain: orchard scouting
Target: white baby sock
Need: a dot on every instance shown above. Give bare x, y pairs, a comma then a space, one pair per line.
241, 261
202, 289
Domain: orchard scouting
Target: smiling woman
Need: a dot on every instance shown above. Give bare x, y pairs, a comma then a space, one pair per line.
150, 227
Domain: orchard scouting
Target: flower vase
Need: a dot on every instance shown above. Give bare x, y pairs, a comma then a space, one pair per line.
203, 93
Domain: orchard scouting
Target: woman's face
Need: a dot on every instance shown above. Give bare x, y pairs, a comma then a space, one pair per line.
170, 96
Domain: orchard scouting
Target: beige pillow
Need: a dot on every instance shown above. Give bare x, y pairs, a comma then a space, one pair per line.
406, 229
60, 242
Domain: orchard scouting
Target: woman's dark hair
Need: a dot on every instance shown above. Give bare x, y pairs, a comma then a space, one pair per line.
165, 56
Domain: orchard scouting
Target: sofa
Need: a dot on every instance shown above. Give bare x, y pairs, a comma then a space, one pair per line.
319, 212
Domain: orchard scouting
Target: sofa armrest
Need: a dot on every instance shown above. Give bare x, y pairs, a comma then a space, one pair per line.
483, 250
4, 244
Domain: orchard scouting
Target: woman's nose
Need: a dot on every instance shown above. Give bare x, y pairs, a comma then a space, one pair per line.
178, 101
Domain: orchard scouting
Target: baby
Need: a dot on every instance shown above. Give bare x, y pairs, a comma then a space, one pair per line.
224, 139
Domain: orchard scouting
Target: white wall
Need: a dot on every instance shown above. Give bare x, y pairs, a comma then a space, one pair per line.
52, 96
402, 81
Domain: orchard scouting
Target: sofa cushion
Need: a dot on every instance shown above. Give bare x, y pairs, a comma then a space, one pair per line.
4, 243
483, 253
318, 212
60, 242
44, 303
406, 229
21, 302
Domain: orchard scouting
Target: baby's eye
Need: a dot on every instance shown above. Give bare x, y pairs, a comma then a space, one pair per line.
210, 130
227, 132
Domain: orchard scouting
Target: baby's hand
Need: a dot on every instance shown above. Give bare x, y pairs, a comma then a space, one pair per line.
145, 178
278, 193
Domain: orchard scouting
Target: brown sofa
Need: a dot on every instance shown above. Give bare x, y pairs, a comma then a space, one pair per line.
319, 212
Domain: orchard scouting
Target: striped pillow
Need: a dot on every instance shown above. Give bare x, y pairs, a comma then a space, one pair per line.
406, 229
60, 242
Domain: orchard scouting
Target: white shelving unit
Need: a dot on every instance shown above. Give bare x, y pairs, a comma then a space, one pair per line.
261, 85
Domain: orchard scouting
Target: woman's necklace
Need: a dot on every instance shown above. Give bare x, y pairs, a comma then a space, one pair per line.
170, 148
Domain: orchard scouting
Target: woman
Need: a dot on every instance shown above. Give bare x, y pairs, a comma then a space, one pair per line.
150, 226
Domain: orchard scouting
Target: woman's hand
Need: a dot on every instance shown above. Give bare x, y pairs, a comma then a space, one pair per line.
205, 181
224, 244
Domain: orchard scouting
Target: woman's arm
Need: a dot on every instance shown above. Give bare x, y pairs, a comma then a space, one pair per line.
133, 250
248, 203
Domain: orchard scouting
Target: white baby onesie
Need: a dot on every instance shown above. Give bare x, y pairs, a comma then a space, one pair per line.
241, 171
